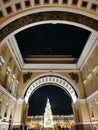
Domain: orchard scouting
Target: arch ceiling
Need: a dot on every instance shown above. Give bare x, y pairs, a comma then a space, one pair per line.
18, 15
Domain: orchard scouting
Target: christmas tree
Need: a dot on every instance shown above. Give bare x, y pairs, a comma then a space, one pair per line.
48, 118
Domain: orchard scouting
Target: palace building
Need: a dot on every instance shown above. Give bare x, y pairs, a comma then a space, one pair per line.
48, 42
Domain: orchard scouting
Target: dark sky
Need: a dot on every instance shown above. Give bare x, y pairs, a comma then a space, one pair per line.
53, 39
59, 100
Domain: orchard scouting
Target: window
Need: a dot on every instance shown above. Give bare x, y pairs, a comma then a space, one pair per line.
27, 3
74, 2
84, 4
37, 2
9, 10
10, 61
6, 110
46, 1
18, 6
65, 1
91, 111
92, 85
1, 14
97, 106
11, 113
94, 7
55, 1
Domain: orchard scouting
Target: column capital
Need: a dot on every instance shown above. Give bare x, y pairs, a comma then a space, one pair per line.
20, 101
81, 101
13, 76
8, 69
17, 82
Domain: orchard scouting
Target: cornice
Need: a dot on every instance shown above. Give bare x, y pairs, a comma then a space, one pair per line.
88, 49
92, 96
50, 66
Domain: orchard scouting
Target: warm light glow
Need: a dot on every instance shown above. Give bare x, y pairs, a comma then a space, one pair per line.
48, 118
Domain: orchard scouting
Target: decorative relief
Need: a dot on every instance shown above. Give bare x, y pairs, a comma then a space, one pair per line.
26, 76
51, 15
74, 76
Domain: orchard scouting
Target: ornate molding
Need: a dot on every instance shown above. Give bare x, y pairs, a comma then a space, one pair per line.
26, 76
51, 15
74, 76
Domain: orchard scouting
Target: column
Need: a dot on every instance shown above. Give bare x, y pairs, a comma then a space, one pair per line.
2, 61
16, 87
12, 84
81, 114
20, 114
8, 70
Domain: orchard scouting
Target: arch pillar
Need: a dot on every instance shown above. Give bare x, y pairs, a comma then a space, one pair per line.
20, 116
81, 115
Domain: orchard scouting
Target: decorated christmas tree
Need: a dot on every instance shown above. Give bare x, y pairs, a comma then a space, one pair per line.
48, 118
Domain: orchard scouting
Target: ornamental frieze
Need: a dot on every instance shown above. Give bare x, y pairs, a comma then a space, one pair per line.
43, 16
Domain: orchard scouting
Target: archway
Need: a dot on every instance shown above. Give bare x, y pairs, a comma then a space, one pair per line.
60, 101
52, 79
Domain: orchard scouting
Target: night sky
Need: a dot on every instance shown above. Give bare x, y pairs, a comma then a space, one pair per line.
52, 39
59, 100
